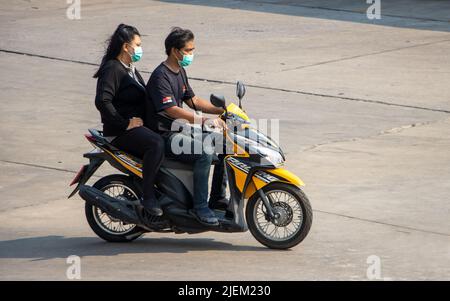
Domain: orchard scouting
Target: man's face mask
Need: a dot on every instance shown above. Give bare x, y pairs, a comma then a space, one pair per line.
187, 59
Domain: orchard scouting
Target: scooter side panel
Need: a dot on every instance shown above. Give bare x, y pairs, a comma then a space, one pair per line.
242, 168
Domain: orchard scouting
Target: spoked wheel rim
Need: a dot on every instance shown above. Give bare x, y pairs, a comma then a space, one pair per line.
289, 214
111, 224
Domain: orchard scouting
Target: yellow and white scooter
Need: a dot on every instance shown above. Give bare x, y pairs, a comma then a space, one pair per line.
277, 212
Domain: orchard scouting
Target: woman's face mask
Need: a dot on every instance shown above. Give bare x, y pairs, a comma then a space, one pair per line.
137, 53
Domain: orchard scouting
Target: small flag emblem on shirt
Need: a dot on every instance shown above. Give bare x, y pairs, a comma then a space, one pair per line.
167, 99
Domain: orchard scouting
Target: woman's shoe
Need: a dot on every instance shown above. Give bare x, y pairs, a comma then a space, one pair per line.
152, 206
219, 204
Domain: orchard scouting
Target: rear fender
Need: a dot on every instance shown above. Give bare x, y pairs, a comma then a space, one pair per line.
95, 160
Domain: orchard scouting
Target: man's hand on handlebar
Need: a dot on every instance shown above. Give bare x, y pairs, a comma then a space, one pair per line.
216, 123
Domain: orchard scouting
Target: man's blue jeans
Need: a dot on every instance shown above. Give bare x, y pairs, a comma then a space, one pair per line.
201, 156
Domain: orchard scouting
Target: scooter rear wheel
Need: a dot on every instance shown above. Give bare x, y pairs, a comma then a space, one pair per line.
294, 216
108, 227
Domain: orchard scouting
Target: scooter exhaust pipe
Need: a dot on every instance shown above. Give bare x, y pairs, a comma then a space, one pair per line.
108, 204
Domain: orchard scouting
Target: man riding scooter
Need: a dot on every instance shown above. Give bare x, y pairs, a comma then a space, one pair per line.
168, 87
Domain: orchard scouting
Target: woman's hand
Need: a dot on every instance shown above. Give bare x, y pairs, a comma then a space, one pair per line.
134, 123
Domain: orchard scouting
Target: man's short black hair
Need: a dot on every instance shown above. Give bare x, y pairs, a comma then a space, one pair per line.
178, 37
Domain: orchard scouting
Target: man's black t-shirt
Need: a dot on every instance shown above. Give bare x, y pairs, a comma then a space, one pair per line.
167, 89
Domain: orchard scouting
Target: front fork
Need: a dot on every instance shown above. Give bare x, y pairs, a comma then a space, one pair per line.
268, 203
274, 175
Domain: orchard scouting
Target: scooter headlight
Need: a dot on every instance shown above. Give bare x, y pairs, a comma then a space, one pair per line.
269, 155
272, 157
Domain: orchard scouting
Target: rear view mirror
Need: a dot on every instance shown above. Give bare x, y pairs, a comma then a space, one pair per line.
218, 101
240, 92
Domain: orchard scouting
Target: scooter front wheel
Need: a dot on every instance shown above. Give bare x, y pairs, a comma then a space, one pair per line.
292, 220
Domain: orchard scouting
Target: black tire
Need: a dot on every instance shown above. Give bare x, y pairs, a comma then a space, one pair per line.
303, 201
101, 184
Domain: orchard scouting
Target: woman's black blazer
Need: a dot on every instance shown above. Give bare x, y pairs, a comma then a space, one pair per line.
119, 97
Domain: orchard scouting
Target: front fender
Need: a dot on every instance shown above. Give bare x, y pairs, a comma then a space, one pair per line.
262, 178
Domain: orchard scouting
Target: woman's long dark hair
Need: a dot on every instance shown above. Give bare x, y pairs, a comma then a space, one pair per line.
123, 34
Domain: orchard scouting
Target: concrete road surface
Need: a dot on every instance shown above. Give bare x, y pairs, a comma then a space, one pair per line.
364, 110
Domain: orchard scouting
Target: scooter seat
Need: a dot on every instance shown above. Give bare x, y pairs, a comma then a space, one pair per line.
168, 162
174, 164
98, 136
